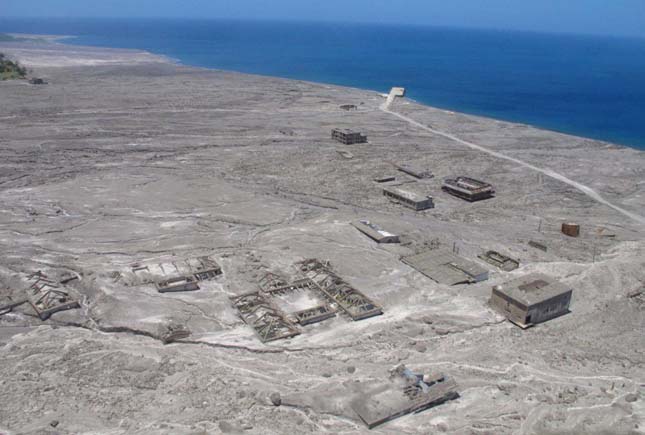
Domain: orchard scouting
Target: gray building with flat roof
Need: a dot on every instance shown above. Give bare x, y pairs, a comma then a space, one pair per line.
531, 299
443, 266
409, 197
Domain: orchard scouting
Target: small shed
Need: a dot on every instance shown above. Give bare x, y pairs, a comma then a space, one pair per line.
531, 299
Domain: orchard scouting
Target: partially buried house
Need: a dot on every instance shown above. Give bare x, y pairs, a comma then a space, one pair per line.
531, 299
375, 232
409, 196
468, 188
445, 267
347, 136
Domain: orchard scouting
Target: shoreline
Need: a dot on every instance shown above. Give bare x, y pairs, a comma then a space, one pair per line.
143, 56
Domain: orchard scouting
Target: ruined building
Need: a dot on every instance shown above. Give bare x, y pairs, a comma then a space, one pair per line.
445, 267
405, 392
531, 299
347, 136
409, 197
468, 188
375, 232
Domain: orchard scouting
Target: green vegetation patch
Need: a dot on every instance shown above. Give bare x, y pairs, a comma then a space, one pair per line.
11, 70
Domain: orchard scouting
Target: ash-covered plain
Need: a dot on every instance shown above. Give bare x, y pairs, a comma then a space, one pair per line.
124, 168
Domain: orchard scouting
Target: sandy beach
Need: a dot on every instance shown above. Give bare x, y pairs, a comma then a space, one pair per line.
125, 158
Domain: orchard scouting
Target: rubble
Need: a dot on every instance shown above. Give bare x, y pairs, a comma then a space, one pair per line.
405, 393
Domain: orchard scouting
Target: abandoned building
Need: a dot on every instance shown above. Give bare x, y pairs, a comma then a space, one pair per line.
538, 245
571, 229
350, 301
468, 188
177, 284
413, 170
408, 197
347, 136
268, 321
47, 297
171, 332
375, 232
276, 287
174, 275
444, 267
385, 178
405, 392
345, 154
500, 260
531, 299
317, 294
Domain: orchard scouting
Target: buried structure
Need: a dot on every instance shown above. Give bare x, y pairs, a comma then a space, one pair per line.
173, 276
375, 232
409, 197
347, 136
502, 261
416, 172
444, 267
531, 299
47, 297
404, 393
316, 295
468, 188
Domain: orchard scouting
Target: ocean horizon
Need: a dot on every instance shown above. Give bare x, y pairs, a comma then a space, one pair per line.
590, 86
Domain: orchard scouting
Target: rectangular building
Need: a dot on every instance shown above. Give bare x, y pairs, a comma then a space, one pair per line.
416, 172
177, 284
375, 232
444, 267
468, 188
347, 136
405, 392
409, 198
531, 299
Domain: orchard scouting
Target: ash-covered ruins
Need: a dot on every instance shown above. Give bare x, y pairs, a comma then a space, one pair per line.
189, 251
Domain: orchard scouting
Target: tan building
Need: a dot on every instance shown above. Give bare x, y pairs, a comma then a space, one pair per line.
531, 299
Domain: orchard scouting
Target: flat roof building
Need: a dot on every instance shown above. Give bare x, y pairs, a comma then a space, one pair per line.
375, 232
443, 266
347, 136
531, 299
409, 198
468, 188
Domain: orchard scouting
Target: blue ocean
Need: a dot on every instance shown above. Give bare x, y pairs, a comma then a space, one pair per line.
584, 85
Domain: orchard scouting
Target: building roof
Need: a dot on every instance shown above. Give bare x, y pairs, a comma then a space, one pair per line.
407, 193
467, 184
533, 288
372, 228
346, 131
445, 267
